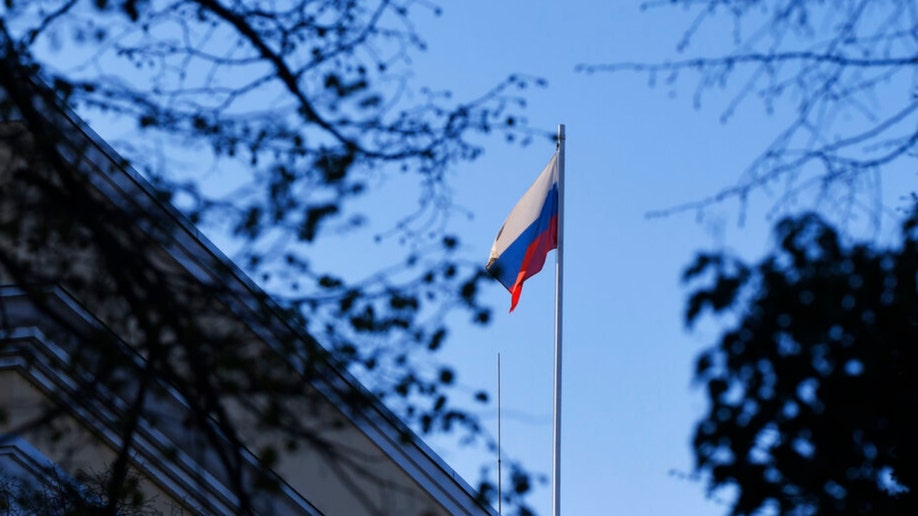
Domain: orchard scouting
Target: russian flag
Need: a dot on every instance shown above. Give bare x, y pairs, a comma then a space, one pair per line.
528, 234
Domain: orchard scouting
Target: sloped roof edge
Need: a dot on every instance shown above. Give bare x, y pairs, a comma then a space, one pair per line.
194, 251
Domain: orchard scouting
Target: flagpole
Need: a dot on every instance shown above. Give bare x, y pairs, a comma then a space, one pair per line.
500, 493
559, 282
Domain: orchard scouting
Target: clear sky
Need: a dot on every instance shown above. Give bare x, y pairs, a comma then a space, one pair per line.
628, 403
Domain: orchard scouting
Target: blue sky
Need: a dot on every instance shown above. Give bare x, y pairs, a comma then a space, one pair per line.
628, 403
628, 406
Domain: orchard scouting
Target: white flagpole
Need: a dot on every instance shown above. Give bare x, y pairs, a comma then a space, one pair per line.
559, 282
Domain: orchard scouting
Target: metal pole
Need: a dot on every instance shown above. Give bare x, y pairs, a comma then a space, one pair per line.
499, 490
559, 282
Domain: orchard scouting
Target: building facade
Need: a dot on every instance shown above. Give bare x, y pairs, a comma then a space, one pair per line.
165, 365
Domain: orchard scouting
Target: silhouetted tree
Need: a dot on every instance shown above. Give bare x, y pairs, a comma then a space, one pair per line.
309, 103
813, 386
841, 72
60, 496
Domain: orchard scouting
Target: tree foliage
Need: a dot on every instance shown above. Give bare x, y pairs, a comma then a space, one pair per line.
838, 75
811, 384
812, 387
309, 105
61, 496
